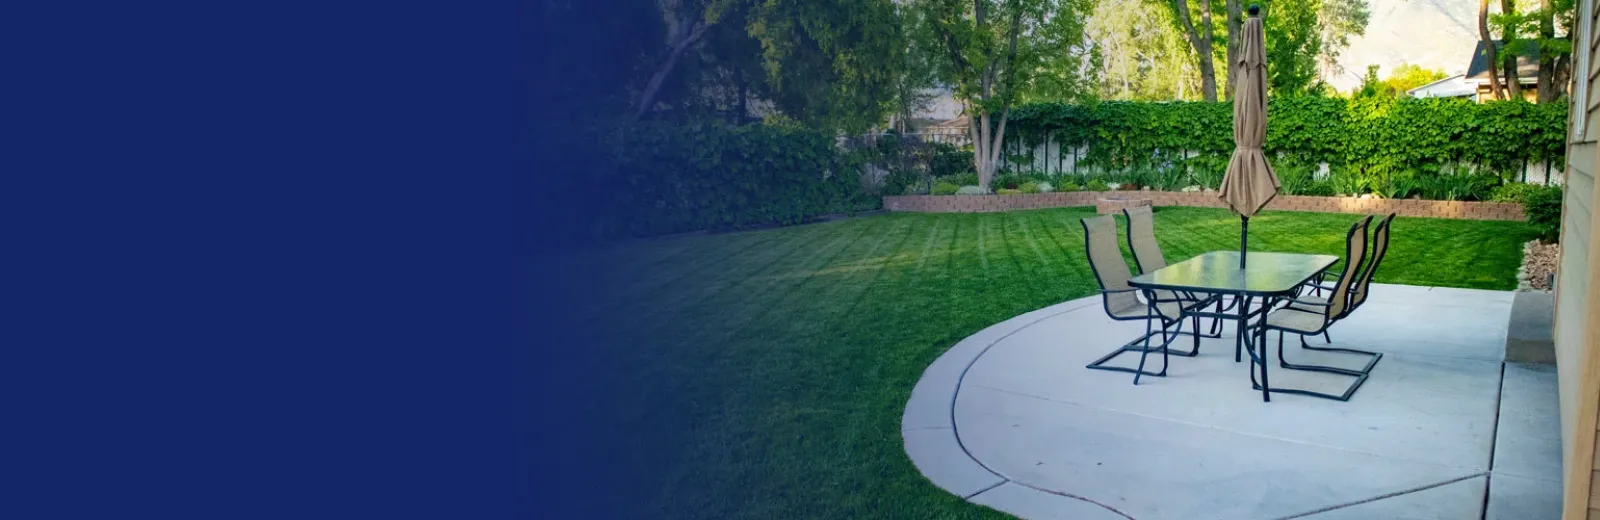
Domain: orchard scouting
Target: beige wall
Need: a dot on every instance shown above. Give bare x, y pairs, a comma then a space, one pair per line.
1575, 327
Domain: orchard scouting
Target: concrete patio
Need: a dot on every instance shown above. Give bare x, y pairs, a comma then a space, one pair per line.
1443, 429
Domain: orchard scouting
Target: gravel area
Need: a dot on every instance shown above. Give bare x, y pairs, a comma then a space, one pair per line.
1538, 264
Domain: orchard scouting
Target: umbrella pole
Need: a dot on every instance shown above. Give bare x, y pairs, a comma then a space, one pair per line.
1244, 238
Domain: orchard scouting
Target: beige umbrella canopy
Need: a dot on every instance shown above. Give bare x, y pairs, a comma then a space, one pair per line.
1249, 183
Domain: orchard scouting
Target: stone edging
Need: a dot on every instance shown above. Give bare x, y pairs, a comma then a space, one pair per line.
1404, 207
928, 424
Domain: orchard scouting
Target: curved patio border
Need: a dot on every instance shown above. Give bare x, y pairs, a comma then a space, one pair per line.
934, 444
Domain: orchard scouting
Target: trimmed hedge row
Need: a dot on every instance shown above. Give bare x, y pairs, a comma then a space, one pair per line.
658, 179
1370, 135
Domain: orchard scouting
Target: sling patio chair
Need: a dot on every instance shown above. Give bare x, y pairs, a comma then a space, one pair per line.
1122, 301
1307, 317
1148, 257
1358, 290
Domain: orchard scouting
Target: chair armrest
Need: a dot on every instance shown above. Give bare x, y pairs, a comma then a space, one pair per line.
1117, 291
1301, 302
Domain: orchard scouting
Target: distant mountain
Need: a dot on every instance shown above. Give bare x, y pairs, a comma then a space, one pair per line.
1436, 34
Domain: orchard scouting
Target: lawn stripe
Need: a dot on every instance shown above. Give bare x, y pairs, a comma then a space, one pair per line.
983, 253
1027, 234
717, 334
753, 330
705, 289
690, 269
933, 231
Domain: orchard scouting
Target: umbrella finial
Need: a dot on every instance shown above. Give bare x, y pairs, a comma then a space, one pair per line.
1255, 9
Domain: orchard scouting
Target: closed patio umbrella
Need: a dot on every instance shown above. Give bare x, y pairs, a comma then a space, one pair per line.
1249, 183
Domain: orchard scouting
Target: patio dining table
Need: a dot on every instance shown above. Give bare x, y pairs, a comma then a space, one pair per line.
1266, 279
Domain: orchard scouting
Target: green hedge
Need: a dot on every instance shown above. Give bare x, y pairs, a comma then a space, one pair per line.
663, 178
1370, 136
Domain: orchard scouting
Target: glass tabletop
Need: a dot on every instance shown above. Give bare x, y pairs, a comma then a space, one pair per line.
1218, 272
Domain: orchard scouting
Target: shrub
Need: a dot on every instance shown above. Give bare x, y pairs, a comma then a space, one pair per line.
1513, 191
948, 160
1045, 187
945, 188
1029, 187
659, 178
1457, 186
1007, 181
972, 190
1008, 191
1068, 186
959, 179
901, 181
1543, 210
1096, 185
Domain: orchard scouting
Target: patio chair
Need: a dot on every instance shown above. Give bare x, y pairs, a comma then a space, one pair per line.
1148, 257
1306, 316
1122, 302
1380, 247
1358, 290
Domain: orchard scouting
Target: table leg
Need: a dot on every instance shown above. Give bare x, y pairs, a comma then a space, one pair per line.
1238, 334
1261, 339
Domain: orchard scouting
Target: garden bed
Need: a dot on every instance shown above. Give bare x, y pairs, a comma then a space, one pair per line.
1373, 206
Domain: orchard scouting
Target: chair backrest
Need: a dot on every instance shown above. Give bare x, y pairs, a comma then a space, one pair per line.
1105, 259
1355, 253
1142, 239
1380, 246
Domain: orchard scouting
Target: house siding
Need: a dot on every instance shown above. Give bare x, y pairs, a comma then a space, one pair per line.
1575, 324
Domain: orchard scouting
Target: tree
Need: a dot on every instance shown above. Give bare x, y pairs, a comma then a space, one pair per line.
1200, 38
1490, 48
994, 50
687, 21
1370, 86
832, 63
911, 85
1139, 52
1407, 77
1508, 33
1293, 44
1235, 23
1337, 20
1555, 54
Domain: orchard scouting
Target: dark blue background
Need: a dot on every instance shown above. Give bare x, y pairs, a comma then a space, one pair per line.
271, 260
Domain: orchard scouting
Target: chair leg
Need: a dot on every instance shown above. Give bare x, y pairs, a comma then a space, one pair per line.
1146, 350
1284, 362
1360, 377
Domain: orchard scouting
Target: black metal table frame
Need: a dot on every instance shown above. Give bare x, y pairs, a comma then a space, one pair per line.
1256, 334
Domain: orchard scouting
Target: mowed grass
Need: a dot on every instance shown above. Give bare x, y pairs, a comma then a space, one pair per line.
763, 374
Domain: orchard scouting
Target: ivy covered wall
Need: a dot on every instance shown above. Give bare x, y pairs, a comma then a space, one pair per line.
1365, 136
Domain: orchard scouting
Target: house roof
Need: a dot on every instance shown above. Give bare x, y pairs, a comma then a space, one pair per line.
1453, 86
1527, 63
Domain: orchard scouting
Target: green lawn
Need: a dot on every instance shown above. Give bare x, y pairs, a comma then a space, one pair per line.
762, 374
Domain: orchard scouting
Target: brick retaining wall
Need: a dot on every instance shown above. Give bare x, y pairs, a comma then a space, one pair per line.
1405, 207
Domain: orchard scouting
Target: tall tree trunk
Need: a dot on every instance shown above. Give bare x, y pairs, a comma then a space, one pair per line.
1513, 83
1235, 25
1548, 91
682, 37
1200, 40
1488, 43
1563, 75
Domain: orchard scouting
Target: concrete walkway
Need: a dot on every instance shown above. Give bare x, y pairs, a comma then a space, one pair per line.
1011, 419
